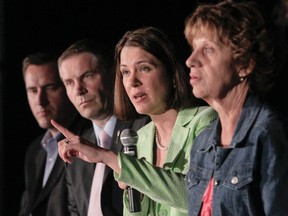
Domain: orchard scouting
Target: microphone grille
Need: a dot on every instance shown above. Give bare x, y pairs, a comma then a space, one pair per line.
129, 137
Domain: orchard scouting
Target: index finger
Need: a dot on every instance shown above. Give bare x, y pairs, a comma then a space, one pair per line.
62, 129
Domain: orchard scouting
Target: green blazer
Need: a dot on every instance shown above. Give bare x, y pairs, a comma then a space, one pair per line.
164, 189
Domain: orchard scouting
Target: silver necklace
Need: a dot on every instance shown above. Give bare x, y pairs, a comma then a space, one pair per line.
157, 141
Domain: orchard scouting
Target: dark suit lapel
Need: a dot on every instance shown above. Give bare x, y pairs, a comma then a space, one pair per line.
38, 173
117, 145
81, 171
59, 166
53, 179
119, 127
89, 135
57, 171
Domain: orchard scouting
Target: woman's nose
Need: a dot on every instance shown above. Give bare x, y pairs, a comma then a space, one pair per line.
134, 80
193, 60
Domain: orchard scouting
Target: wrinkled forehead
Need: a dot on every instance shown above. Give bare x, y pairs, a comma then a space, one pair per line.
200, 28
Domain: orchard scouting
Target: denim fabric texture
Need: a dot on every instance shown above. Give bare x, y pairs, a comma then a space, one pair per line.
251, 176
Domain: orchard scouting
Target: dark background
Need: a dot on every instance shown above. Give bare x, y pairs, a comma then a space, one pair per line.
41, 25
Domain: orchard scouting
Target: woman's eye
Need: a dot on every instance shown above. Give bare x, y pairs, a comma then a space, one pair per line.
208, 50
144, 69
125, 73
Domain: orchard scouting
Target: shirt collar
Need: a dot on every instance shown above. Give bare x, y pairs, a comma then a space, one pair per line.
49, 143
108, 128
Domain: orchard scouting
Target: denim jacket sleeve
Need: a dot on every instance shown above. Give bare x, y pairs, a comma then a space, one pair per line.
274, 170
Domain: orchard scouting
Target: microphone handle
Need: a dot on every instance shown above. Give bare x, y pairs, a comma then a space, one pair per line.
134, 197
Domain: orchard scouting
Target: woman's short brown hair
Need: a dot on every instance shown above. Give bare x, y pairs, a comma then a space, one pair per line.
242, 27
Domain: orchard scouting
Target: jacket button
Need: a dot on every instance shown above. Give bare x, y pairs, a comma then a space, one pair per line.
216, 182
234, 180
163, 213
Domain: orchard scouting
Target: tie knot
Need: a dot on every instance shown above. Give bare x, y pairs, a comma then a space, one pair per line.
105, 140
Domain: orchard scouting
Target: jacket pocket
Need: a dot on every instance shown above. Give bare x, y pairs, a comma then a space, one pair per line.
197, 174
239, 177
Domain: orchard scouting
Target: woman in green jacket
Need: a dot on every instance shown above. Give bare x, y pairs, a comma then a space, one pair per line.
150, 81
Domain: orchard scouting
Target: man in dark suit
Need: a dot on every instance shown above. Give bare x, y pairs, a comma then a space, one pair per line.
89, 84
45, 191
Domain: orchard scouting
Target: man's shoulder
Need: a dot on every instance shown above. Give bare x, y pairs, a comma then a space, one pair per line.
139, 123
136, 124
80, 125
34, 146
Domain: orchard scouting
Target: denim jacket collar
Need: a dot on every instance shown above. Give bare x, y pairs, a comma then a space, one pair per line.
249, 113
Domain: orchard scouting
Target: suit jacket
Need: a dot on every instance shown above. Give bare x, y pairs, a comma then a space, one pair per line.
80, 176
52, 199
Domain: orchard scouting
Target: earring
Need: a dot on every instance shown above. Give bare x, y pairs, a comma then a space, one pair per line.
241, 79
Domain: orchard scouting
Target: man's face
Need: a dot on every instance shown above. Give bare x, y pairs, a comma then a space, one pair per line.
83, 84
46, 96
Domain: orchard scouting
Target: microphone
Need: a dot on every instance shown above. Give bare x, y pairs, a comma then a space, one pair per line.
129, 139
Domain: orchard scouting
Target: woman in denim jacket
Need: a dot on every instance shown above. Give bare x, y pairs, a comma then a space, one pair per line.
239, 164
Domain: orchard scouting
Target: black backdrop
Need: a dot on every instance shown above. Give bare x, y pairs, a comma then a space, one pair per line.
52, 25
